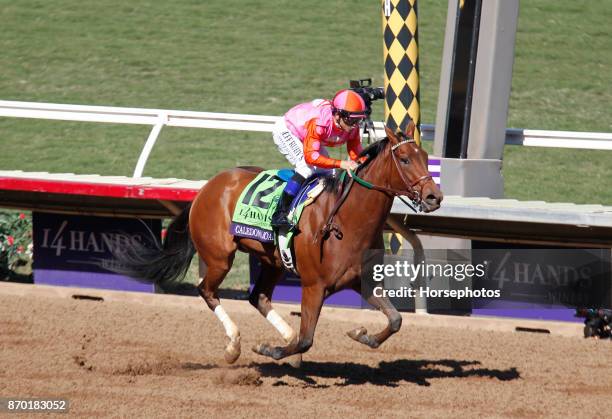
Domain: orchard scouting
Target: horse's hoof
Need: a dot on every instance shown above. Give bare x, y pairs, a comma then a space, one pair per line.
295, 360
356, 334
261, 349
264, 349
232, 351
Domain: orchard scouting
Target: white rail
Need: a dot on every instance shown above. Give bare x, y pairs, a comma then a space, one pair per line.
559, 139
158, 118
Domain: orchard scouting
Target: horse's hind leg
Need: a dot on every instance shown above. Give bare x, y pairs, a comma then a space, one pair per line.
216, 271
261, 299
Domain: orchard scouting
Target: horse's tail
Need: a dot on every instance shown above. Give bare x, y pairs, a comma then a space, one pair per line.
159, 263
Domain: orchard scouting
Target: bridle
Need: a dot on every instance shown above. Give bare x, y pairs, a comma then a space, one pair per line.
411, 190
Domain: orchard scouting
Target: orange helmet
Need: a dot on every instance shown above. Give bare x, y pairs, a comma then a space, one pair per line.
349, 104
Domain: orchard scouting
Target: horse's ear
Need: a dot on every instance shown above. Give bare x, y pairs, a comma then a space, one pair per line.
390, 134
410, 129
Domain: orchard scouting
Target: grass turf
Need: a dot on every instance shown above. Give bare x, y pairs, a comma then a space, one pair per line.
261, 57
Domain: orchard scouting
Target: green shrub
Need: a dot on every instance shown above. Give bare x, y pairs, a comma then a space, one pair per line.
15, 245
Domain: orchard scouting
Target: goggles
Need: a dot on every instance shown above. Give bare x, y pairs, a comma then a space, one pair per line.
351, 119
351, 122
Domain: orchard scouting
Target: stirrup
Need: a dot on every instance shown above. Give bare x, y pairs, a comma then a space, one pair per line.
281, 220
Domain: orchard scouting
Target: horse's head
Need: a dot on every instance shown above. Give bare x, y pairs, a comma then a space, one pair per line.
409, 171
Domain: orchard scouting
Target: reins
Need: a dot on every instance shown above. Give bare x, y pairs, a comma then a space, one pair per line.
330, 225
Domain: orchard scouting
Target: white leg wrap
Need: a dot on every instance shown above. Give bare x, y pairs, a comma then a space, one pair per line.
231, 330
281, 325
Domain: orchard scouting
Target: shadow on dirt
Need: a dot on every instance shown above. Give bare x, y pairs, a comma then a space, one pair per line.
390, 374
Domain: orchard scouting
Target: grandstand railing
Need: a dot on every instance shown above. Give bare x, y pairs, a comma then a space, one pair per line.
158, 118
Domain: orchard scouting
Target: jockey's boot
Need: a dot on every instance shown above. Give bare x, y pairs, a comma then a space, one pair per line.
279, 218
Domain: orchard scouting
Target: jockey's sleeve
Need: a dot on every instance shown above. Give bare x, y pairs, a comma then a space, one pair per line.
312, 148
353, 145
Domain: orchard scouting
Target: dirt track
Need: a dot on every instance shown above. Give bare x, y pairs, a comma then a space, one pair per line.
130, 359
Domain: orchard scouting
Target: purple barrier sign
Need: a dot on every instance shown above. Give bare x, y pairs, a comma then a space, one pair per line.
433, 165
68, 248
533, 312
289, 289
542, 283
531, 283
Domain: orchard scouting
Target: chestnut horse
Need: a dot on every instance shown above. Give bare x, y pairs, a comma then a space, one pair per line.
326, 263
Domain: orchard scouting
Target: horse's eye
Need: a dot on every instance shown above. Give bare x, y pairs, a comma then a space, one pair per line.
405, 160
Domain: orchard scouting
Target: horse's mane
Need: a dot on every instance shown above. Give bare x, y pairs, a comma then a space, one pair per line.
334, 183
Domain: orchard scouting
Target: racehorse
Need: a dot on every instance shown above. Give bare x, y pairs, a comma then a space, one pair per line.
328, 260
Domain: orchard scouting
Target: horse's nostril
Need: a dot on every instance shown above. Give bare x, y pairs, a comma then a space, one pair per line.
432, 199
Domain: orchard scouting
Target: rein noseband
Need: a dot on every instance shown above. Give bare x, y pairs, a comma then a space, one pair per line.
411, 192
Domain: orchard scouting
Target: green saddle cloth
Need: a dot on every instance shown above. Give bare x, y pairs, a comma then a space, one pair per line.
256, 205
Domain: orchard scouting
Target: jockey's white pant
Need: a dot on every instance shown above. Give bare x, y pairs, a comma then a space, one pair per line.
293, 149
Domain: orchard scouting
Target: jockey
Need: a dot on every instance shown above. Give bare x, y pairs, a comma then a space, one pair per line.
303, 132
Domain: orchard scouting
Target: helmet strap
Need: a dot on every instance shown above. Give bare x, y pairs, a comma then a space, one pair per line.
337, 120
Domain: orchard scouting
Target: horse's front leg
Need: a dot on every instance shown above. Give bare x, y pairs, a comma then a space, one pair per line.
312, 301
394, 319
261, 299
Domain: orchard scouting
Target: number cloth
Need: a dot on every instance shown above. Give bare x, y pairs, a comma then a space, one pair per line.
258, 200
257, 203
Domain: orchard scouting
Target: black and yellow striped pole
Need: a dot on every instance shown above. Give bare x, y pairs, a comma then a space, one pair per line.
401, 60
